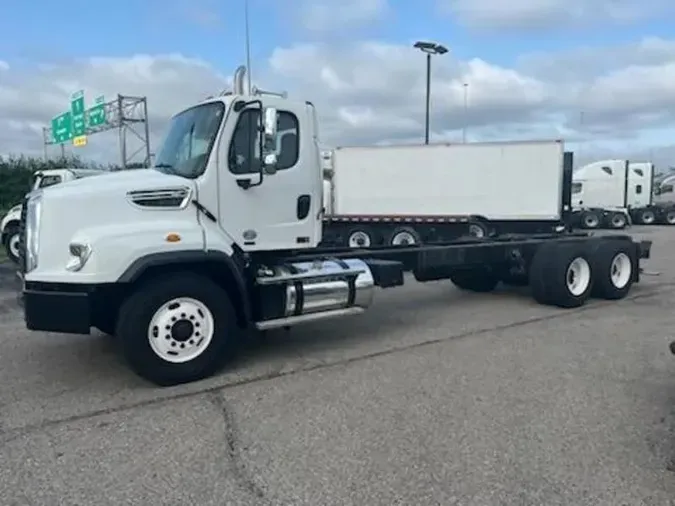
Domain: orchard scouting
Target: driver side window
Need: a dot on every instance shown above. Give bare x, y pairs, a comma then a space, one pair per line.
244, 153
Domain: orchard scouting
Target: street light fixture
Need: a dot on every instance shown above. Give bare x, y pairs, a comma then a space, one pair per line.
429, 48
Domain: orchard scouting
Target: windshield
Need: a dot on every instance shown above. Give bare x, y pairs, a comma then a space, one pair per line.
187, 145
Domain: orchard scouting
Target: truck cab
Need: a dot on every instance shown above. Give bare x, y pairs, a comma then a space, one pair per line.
234, 173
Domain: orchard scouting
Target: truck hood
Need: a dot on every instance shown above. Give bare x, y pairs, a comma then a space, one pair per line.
117, 182
98, 211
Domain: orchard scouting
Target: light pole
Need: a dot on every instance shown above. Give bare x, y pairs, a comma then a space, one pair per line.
466, 111
429, 48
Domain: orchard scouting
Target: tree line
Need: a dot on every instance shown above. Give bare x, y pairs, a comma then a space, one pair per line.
16, 174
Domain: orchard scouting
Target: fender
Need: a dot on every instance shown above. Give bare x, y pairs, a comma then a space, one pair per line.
234, 265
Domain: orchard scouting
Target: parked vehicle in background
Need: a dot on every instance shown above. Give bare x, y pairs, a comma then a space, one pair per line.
614, 193
425, 194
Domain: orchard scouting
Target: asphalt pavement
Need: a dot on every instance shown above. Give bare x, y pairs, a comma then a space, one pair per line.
433, 397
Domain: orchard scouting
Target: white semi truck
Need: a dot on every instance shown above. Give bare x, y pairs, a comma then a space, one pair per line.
610, 192
223, 237
425, 194
9, 226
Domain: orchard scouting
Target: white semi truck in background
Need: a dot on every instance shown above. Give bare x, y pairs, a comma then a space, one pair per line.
425, 194
607, 192
9, 226
223, 237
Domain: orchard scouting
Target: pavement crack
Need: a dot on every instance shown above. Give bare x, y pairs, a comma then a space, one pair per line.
233, 450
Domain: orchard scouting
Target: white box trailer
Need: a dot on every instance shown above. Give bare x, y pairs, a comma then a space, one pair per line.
432, 193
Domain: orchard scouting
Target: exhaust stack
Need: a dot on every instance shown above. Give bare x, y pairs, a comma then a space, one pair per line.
238, 84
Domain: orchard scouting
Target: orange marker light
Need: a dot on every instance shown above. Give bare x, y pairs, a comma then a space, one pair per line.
172, 237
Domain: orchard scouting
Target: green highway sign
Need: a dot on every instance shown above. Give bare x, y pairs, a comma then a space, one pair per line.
73, 125
96, 113
78, 124
62, 130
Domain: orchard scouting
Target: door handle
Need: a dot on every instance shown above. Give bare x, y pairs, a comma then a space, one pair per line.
303, 206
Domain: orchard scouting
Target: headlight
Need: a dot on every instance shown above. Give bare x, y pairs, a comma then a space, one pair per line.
33, 215
79, 254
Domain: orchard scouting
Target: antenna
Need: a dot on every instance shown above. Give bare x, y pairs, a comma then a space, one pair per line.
248, 46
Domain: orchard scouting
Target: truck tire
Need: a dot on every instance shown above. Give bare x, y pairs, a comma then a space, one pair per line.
614, 265
669, 217
646, 217
177, 329
475, 280
403, 236
11, 243
360, 237
561, 275
618, 221
590, 220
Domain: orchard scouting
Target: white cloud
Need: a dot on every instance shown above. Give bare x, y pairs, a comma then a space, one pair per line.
334, 15
4, 65
373, 92
545, 14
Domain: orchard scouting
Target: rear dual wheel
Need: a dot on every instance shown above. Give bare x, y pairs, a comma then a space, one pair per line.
566, 275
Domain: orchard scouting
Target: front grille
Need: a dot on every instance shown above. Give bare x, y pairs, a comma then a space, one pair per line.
22, 237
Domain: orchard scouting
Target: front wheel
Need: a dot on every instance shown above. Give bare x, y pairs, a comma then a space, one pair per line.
178, 329
11, 243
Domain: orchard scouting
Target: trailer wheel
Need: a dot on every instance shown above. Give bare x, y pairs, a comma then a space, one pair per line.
177, 329
561, 275
670, 217
359, 238
475, 280
404, 236
590, 220
618, 221
11, 243
614, 265
646, 217
477, 230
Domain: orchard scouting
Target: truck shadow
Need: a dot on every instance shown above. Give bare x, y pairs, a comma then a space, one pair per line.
67, 363
395, 319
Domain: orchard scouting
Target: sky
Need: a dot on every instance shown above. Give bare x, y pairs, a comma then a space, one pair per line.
599, 74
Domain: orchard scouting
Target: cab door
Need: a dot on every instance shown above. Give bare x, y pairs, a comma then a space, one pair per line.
277, 211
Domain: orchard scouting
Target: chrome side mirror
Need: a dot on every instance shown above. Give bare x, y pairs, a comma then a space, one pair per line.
270, 134
270, 123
